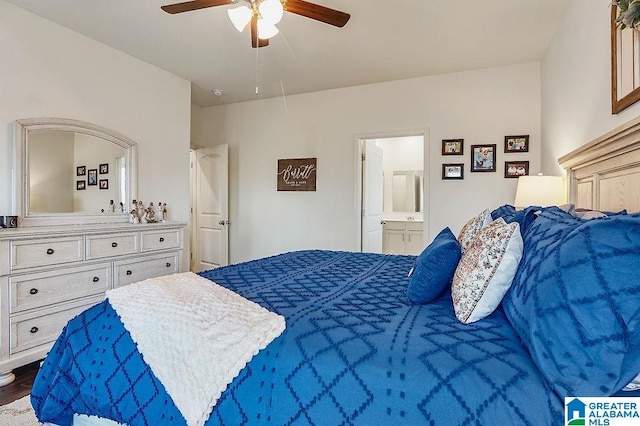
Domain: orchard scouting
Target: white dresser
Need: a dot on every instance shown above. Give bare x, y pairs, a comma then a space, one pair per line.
50, 274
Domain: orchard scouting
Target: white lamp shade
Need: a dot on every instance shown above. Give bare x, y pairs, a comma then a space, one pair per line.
240, 17
266, 30
271, 11
542, 191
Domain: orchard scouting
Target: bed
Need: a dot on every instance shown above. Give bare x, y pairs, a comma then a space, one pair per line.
364, 343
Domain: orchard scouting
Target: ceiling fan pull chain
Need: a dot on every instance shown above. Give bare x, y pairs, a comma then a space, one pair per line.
257, 73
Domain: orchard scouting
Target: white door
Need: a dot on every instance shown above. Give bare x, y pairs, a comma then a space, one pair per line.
212, 209
372, 184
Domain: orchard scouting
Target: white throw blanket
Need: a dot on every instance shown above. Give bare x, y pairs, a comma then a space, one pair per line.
195, 335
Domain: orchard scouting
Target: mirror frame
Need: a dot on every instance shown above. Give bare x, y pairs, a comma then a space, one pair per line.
21, 195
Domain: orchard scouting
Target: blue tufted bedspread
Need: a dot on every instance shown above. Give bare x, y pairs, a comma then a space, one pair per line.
353, 353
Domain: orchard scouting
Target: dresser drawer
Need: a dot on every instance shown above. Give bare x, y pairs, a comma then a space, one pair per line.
100, 246
159, 240
127, 272
43, 326
38, 290
51, 251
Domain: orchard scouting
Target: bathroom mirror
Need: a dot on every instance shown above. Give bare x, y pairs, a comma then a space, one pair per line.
407, 190
72, 172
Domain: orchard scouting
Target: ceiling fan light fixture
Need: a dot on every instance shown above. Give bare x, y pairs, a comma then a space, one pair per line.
271, 11
240, 17
266, 30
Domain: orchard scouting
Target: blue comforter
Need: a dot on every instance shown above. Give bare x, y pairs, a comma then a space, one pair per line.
354, 352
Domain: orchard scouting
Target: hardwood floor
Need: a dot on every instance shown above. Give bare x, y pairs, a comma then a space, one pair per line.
22, 385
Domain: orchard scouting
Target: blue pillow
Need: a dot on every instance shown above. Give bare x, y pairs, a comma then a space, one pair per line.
434, 268
524, 217
575, 301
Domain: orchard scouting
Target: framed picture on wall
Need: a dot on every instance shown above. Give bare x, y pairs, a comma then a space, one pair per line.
81, 171
80, 185
518, 143
483, 158
104, 168
452, 146
453, 171
92, 177
104, 183
515, 169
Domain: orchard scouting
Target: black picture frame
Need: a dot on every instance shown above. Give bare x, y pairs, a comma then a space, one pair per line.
104, 183
483, 158
452, 146
81, 170
515, 169
516, 143
453, 171
80, 185
104, 168
92, 177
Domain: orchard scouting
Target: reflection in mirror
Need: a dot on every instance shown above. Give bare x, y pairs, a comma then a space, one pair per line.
54, 184
72, 172
407, 190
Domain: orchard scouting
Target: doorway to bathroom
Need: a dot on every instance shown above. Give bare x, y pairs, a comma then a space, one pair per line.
392, 192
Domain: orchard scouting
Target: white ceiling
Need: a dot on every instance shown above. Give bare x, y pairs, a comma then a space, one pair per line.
383, 41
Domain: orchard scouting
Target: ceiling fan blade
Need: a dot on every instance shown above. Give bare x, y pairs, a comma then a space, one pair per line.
193, 5
255, 41
317, 12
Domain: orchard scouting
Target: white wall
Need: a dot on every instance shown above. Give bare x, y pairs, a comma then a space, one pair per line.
50, 71
576, 83
480, 106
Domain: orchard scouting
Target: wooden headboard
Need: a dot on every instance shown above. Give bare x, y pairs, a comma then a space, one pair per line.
605, 173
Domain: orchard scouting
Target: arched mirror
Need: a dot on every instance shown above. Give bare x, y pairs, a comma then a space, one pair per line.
72, 172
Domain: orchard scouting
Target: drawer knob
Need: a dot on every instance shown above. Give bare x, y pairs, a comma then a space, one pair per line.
162, 239
168, 265
33, 291
96, 279
129, 272
33, 330
114, 245
50, 251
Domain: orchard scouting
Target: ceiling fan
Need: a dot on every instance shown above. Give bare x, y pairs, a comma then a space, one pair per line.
264, 14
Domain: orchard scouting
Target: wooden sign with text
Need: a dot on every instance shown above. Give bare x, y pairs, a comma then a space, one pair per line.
297, 174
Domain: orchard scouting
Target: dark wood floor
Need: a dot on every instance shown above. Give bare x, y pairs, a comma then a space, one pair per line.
22, 385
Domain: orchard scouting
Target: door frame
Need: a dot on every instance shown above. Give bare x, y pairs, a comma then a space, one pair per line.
358, 142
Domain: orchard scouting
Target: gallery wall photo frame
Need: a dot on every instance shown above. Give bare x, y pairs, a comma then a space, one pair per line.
515, 169
483, 158
81, 170
517, 143
625, 58
104, 184
453, 171
80, 185
104, 168
92, 177
452, 146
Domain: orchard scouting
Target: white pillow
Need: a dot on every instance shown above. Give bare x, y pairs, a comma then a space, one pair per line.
471, 228
633, 385
486, 270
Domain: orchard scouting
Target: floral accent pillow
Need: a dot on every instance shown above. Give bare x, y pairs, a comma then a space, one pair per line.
471, 228
486, 270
